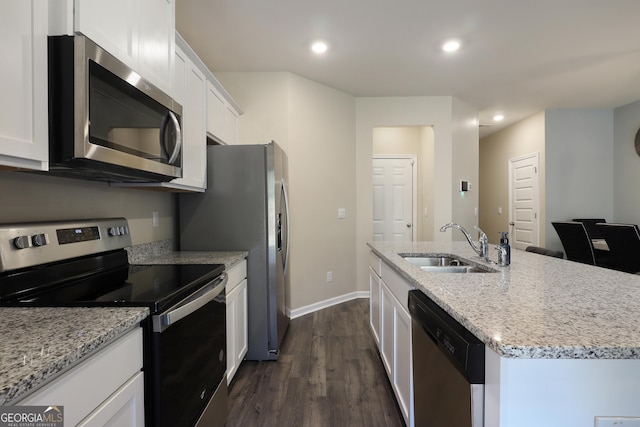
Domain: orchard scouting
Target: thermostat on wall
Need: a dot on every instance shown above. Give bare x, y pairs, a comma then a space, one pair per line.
465, 186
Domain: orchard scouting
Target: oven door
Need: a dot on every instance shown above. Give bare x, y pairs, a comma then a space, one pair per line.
188, 360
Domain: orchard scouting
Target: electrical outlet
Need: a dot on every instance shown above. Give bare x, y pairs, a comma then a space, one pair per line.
155, 218
617, 421
342, 213
329, 276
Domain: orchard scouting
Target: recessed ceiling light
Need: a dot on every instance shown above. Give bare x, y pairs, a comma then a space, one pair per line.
451, 46
319, 47
498, 118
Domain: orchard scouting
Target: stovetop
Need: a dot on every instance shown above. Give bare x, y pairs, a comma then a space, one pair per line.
88, 266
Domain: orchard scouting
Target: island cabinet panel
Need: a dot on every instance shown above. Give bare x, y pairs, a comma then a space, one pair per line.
24, 139
105, 389
374, 297
559, 392
391, 326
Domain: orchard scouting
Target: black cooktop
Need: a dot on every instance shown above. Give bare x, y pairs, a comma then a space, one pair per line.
105, 281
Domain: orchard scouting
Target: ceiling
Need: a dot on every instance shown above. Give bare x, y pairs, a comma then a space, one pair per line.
518, 57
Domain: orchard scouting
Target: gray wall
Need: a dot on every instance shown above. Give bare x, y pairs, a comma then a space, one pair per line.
626, 171
579, 167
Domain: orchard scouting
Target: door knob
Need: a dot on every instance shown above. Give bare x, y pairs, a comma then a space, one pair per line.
409, 225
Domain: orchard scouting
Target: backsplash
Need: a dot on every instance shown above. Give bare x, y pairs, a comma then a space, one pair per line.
138, 253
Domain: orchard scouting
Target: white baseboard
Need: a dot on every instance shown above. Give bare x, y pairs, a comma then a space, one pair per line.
326, 303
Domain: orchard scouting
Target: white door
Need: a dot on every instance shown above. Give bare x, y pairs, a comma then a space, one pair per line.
524, 201
394, 195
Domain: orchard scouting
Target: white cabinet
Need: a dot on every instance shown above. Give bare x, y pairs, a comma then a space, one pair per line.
222, 116
190, 89
105, 389
140, 33
156, 41
391, 326
237, 333
24, 130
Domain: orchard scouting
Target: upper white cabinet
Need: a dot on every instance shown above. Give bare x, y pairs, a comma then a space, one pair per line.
190, 87
140, 33
156, 41
222, 114
24, 138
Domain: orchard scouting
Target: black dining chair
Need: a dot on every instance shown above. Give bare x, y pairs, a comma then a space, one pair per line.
590, 224
576, 242
624, 245
544, 251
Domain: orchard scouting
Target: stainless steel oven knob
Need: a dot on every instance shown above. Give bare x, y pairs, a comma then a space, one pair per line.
21, 242
114, 231
39, 240
122, 231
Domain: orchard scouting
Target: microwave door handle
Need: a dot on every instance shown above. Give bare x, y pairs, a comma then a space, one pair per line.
178, 140
163, 321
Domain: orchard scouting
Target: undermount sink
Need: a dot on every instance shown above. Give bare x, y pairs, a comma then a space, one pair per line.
445, 264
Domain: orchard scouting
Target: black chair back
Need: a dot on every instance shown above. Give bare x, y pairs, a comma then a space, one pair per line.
576, 242
590, 224
624, 246
544, 251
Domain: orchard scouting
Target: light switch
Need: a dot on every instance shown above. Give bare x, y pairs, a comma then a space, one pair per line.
499, 210
342, 213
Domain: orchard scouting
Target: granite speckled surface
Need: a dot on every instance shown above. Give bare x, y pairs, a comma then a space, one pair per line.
538, 307
39, 343
229, 259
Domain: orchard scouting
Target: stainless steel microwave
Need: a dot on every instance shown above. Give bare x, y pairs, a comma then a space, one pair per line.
106, 122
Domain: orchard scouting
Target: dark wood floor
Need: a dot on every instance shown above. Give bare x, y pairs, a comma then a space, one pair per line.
329, 373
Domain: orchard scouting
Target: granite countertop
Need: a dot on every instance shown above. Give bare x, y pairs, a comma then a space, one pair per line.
229, 259
539, 307
40, 343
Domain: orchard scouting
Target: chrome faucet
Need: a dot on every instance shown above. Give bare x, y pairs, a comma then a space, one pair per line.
482, 248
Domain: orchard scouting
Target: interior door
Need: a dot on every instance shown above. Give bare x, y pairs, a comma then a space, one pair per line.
524, 201
394, 196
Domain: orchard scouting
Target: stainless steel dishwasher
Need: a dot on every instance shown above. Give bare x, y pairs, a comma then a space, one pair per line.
448, 368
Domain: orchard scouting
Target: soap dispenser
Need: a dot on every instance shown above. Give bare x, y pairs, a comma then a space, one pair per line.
504, 242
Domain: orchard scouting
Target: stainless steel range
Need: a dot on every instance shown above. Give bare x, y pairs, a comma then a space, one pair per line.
84, 263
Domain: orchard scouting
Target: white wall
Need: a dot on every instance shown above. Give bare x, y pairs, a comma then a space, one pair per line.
579, 167
437, 112
315, 125
418, 141
465, 164
519, 139
626, 170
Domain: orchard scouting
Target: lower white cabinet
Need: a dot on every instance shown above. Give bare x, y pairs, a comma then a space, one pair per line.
237, 332
391, 326
107, 389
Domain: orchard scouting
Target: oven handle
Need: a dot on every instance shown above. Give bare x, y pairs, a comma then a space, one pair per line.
163, 321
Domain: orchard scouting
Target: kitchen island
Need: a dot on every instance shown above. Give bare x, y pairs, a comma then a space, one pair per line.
562, 338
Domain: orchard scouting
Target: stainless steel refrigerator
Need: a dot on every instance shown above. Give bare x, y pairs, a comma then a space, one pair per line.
245, 207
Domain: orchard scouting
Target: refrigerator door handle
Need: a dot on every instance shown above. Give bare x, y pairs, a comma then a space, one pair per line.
286, 209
